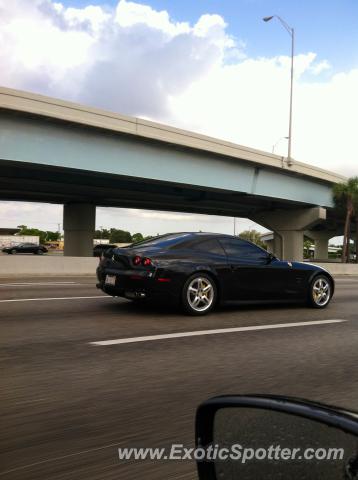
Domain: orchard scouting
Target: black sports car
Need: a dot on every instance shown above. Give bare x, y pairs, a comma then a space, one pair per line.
198, 270
26, 248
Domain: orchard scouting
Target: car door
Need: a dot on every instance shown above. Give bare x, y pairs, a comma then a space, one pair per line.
27, 248
212, 254
252, 276
289, 279
21, 248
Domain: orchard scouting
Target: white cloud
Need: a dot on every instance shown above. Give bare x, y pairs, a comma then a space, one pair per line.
134, 59
249, 105
41, 215
321, 67
129, 14
93, 17
129, 59
148, 222
151, 222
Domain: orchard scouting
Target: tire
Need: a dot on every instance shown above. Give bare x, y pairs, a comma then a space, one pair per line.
320, 292
39, 252
199, 294
13, 251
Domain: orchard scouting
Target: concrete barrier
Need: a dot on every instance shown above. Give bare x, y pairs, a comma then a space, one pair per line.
340, 268
47, 265
53, 265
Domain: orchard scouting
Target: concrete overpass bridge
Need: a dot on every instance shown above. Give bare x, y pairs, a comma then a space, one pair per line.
60, 152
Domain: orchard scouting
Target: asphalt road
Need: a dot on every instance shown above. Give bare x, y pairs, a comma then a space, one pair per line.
67, 404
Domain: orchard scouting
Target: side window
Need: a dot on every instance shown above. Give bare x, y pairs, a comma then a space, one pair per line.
242, 250
209, 246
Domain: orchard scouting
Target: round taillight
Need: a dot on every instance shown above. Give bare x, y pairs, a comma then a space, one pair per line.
136, 260
146, 262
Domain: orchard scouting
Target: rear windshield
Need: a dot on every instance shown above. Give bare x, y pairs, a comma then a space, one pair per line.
168, 240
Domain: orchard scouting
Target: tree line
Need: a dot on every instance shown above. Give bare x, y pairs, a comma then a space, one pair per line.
44, 235
345, 196
114, 235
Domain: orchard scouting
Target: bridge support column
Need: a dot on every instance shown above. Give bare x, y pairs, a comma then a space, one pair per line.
291, 245
79, 220
321, 240
288, 227
277, 244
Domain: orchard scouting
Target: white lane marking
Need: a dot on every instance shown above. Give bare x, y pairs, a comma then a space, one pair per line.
212, 332
52, 298
62, 457
31, 284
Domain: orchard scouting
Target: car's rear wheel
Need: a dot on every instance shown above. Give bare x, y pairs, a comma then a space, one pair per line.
39, 252
320, 293
199, 294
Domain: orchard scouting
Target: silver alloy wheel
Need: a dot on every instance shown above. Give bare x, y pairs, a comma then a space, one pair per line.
321, 291
200, 294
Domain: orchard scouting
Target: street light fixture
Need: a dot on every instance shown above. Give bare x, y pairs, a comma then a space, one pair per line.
278, 141
291, 32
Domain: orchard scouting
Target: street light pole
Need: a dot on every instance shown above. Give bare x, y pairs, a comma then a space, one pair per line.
289, 159
291, 32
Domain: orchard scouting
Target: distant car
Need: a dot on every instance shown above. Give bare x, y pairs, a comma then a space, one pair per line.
101, 248
26, 248
199, 270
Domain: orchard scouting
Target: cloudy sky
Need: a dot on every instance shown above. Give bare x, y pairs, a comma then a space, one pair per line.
211, 66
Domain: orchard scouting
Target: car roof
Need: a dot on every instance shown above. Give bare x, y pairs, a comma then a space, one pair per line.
202, 234
211, 235
183, 239
193, 236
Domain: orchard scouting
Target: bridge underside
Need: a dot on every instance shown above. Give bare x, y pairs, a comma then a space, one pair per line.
39, 183
81, 191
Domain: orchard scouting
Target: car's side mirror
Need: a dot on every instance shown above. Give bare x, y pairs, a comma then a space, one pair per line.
271, 257
271, 437
267, 258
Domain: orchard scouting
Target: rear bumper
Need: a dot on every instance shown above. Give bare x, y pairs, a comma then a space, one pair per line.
135, 285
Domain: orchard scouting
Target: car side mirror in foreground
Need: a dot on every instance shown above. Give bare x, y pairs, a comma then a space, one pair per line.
273, 437
271, 257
